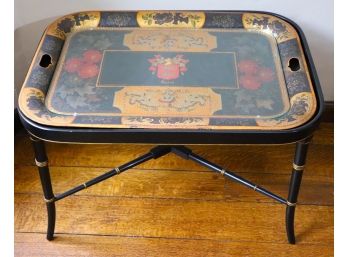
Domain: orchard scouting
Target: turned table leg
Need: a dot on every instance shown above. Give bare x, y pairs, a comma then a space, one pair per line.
42, 164
294, 187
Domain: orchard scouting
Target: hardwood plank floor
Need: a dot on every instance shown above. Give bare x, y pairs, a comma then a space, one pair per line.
173, 207
31, 244
174, 184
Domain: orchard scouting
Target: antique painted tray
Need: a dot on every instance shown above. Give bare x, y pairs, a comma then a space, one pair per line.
170, 70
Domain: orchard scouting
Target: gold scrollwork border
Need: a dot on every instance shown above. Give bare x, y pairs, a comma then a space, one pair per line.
154, 19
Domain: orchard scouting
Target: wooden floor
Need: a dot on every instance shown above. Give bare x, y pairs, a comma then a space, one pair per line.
173, 207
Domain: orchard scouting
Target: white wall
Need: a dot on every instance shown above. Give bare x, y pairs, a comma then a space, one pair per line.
315, 17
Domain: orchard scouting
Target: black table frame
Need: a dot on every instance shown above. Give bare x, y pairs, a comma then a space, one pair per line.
173, 140
41, 161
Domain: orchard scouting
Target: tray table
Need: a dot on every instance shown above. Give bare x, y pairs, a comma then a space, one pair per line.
172, 78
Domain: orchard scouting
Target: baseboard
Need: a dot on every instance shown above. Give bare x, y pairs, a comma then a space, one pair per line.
17, 122
328, 115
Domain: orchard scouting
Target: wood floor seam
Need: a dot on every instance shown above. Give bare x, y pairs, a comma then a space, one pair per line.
172, 238
278, 172
183, 199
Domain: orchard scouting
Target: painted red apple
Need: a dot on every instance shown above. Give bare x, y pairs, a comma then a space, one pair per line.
248, 67
88, 70
73, 64
250, 82
92, 56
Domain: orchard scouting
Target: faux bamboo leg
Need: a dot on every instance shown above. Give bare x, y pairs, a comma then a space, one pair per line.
294, 187
42, 164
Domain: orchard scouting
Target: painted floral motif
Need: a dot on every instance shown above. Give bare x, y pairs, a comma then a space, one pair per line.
164, 101
280, 29
92, 56
87, 66
66, 24
175, 18
168, 99
248, 67
165, 121
117, 19
232, 122
184, 19
249, 82
35, 100
73, 64
77, 91
88, 70
225, 21
301, 105
95, 120
252, 75
69, 23
298, 109
265, 23
100, 42
168, 68
34, 104
164, 40
37, 105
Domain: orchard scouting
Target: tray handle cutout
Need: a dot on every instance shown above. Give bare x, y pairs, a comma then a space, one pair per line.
294, 64
45, 61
